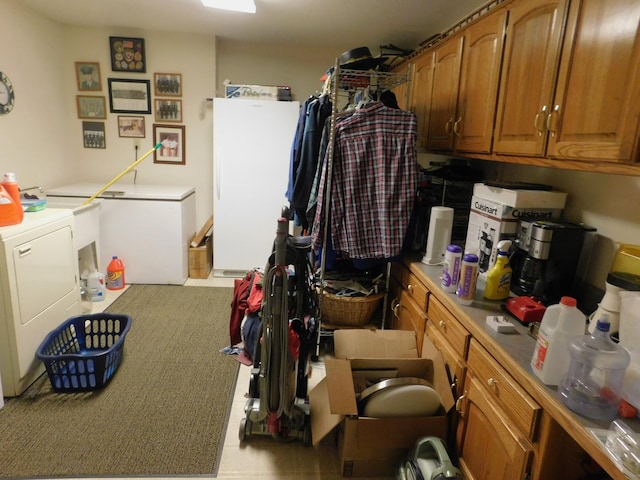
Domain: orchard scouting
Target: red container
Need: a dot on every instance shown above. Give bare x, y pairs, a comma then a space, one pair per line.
115, 274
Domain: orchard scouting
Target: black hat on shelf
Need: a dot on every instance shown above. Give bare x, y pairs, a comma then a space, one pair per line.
360, 59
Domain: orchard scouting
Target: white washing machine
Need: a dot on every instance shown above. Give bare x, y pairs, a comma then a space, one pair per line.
39, 290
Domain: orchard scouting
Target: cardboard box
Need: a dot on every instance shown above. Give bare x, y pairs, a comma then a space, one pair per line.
254, 92
201, 259
495, 213
375, 446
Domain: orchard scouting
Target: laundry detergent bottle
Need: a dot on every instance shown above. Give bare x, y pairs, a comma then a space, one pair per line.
115, 274
9, 211
11, 187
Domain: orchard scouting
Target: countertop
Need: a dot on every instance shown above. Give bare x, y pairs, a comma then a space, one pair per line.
513, 351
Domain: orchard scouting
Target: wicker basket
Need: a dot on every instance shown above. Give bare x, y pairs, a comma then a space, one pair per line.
349, 311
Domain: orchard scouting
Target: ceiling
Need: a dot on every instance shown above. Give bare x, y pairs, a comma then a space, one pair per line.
354, 23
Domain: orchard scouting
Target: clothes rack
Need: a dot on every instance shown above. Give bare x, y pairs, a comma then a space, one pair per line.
345, 82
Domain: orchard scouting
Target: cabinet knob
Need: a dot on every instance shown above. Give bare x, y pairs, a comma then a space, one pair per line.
536, 121
441, 323
395, 309
492, 382
550, 117
447, 126
410, 287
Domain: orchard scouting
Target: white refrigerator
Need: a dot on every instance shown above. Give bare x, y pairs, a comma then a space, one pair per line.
251, 153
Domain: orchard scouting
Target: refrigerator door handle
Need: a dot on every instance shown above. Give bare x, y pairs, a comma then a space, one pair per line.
218, 170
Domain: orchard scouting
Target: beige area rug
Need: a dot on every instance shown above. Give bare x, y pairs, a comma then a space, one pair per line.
165, 411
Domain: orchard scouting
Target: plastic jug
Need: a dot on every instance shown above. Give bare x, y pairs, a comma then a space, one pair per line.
96, 286
115, 274
11, 186
593, 384
9, 211
560, 324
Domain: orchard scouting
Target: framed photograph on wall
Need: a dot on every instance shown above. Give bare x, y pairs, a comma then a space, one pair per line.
88, 76
167, 84
168, 110
171, 138
93, 135
91, 107
127, 54
131, 126
127, 95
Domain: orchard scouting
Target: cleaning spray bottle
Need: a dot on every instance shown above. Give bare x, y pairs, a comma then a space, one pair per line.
499, 276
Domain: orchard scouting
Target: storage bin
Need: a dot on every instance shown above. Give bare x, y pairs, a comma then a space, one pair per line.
84, 352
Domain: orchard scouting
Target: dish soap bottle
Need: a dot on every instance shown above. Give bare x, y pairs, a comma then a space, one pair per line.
498, 282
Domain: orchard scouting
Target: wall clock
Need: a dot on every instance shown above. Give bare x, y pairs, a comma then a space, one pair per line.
7, 96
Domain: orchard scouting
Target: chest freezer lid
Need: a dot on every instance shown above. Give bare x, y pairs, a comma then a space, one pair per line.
125, 190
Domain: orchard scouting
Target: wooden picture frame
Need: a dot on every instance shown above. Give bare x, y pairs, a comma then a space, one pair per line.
172, 138
127, 54
88, 76
91, 107
131, 126
167, 84
128, 95
168, 110
93, 135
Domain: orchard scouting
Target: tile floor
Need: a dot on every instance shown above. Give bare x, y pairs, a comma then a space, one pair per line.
262, 457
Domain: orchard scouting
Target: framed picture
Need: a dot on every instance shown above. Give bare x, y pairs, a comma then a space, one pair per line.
88, 76
168, 110
173, 147
167, 84
131, 126
127, 95
91, 107
93, 135
127, 54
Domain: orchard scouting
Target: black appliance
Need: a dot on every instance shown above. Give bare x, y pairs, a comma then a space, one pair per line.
442, 186
545, 260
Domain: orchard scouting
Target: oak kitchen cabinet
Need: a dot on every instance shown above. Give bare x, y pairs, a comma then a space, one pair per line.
568, 94
508, 425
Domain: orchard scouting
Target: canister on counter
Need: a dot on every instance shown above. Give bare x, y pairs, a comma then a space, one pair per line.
468, 278
451, 268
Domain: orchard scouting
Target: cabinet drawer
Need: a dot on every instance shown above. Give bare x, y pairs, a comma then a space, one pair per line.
512, 398
408, 316
457, 336
456, 366
411, 284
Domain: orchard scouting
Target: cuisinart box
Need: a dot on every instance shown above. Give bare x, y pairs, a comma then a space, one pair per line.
495, 213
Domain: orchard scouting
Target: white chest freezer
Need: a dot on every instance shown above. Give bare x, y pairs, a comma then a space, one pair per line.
148, 227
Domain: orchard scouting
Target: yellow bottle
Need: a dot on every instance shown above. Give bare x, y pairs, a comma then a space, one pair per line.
499, 276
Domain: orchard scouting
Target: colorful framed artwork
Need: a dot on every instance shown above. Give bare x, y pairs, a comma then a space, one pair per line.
93, 135
127, 54
168, 110
128, 95
91, 107
172, 140
167, 84
88, 76
131, 126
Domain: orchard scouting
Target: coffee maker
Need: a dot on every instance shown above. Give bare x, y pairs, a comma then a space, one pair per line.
546, 258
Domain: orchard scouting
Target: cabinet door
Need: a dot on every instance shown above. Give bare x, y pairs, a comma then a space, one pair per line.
408, 316
446, 80
596, 112
481, 60
421, 92
488, 444
528, 78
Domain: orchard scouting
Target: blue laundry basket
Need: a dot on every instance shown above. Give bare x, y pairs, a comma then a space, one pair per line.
84, 352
